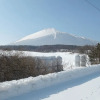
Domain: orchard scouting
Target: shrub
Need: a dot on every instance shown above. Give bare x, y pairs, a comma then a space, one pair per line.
15, 65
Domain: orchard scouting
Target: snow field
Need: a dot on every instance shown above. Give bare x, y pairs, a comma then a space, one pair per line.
69, 60
18, 87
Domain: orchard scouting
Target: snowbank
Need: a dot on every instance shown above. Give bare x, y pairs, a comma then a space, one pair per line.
15, 88
69, 60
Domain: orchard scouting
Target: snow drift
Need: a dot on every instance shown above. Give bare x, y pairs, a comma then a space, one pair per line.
18, 87
69, 60
53, 37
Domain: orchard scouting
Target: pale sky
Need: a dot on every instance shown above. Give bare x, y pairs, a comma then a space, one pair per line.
19, 18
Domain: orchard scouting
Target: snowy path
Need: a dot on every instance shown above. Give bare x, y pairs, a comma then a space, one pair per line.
85, 88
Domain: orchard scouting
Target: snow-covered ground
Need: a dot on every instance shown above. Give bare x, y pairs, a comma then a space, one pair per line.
68, 58
85, 88
79, 83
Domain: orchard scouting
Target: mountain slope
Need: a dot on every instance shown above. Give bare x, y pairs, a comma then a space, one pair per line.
53, 37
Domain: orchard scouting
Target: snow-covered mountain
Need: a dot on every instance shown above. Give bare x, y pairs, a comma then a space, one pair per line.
53, 37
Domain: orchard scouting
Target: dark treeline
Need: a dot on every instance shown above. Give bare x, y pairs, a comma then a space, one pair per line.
48, 48
95, 54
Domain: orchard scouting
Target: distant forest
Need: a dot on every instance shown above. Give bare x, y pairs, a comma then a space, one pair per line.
48, 48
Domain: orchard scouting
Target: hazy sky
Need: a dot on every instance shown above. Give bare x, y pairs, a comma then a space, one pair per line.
19, 18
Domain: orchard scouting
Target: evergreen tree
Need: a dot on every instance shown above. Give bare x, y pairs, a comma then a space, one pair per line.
95, 54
